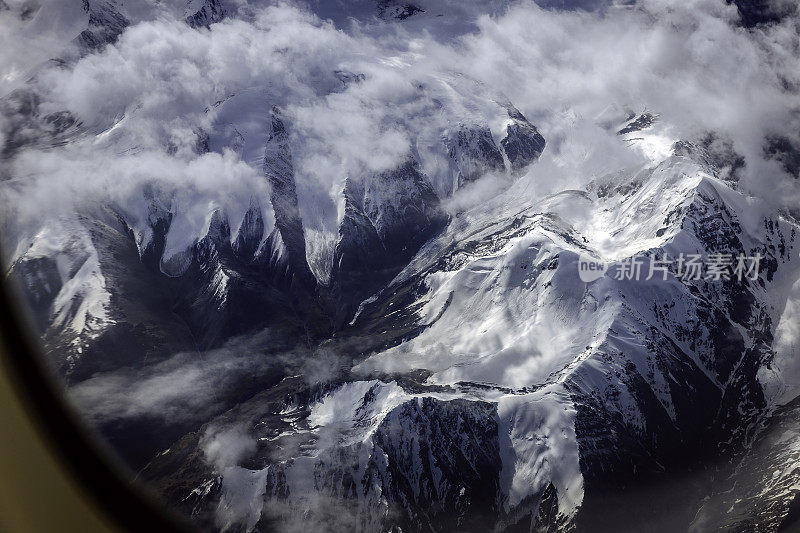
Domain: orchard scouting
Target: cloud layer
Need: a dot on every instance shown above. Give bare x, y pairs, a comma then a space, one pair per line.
141, 102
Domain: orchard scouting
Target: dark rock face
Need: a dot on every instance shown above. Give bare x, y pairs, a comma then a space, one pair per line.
786, 152
106, 24
42, 282
210, 13
717, 154
248, 239
473, 153
355, 260
223, 296
639, 123
445, 453
586, 5
26, 125
755, 12
397, 10
388, 217
523, 144
288, 234
758, 487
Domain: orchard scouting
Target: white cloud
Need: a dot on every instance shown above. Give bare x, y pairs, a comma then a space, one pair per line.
225, 447
186, 387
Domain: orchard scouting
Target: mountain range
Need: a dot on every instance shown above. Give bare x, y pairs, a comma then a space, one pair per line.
412, 348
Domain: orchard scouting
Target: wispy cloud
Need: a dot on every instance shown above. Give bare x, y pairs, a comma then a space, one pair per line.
187, 387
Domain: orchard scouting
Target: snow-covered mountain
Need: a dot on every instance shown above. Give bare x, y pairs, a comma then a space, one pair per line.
292, 334
568, 396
